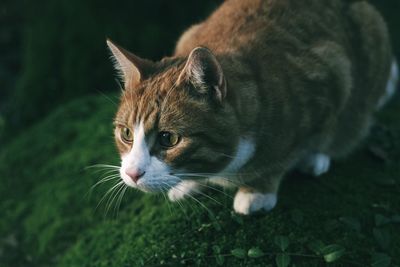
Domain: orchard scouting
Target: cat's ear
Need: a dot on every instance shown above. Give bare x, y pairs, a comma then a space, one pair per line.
203, 70
131, 67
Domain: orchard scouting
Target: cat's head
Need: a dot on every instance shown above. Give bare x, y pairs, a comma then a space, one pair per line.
174, 121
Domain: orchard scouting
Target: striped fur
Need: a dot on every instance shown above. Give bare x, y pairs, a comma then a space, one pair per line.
298, 78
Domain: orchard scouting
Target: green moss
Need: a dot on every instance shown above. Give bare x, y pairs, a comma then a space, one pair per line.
47, 211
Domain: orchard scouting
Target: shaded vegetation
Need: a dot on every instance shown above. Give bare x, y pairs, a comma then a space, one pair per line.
50, 220
64, 54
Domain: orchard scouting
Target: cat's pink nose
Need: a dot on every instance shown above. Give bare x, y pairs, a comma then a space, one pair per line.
134, 173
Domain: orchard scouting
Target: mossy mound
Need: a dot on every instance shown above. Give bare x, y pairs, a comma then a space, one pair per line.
49, 219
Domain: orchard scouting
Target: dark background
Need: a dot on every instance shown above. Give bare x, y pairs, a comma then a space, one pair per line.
54, 51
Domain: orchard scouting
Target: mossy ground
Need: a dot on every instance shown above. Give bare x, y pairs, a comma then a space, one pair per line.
49, 219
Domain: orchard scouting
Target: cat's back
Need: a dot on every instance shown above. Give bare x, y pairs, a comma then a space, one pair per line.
245, 24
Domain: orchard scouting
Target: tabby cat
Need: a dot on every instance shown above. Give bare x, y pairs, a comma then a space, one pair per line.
257, 89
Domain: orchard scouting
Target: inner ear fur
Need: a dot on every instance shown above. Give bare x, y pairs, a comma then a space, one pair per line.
132, 68
203, 70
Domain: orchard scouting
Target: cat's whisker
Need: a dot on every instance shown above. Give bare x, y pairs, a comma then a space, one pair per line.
114, 201
105, 172
110, 195
207, 174
102, 170
179, 202
166, 200
121, 197
182, 207
107, 97
103, 180
119, 84
235, 182
113, 197
226, 155
118, 200
209, 197
108, 170
102, 166
167, 188
195, 199
204, 194
108, 173
108, 192
215, 189
109, 176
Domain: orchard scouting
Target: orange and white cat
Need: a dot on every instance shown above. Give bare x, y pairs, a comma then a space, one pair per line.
257, 89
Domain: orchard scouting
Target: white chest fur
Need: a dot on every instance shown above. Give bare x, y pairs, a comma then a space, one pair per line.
244, 152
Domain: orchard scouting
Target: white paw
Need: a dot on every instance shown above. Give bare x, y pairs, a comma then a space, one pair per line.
322, 163
179, 191
316, 164
247, 203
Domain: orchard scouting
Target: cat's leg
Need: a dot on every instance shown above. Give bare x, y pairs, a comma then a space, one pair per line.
183, 189
261, 197
315, 164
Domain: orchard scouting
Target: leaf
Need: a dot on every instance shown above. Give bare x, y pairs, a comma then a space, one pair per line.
255, 253
351, 222
380, 260
216, 249
332, 252
316, 246
216, 225
239, 253
211, 215
282, 242
237, 218
220, 259
297, 216
382, 237
282, 260
204, 226
381, 220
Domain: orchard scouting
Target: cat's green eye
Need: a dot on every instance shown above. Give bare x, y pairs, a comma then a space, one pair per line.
126, 135
168, 139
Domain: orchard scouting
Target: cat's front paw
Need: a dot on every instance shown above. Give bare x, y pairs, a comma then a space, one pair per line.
181, 190
246, 202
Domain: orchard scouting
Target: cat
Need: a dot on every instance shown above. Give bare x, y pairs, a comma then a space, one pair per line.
257, 89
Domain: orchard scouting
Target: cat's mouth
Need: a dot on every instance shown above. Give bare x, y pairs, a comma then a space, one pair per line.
157, 185
151, 183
